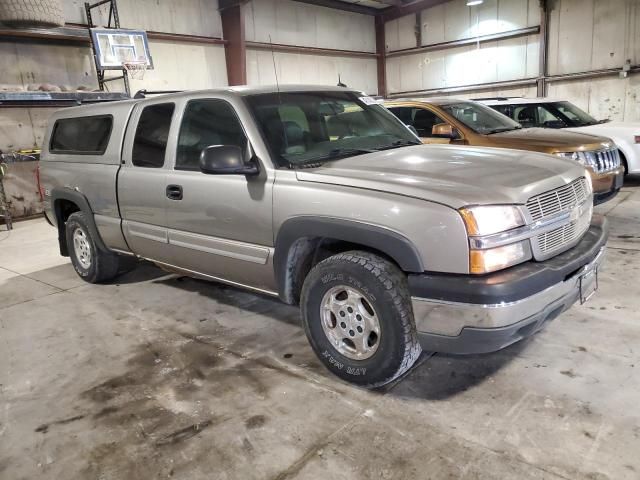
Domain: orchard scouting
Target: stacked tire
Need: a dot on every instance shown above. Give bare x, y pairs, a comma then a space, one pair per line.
31, 13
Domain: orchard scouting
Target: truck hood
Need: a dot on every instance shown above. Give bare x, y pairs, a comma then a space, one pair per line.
549, 140
451, 175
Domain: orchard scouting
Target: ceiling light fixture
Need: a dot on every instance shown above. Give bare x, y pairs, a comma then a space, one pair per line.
471, 3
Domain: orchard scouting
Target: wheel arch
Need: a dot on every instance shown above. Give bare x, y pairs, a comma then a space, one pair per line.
64, 202
304, 241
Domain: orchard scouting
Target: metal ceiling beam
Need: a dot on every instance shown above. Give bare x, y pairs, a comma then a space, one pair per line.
347, 7
392, 13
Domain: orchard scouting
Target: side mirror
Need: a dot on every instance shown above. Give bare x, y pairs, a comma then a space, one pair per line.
226, 160
444, 130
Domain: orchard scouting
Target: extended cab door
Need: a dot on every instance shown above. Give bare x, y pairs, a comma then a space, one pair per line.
142, 181
221, 225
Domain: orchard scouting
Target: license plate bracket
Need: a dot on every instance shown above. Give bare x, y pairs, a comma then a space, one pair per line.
588, 284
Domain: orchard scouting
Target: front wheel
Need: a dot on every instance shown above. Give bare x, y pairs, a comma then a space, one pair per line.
356, 311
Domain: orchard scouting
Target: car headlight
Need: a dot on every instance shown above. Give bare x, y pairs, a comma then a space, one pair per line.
493, 259
488, 219
585, 158
485, 221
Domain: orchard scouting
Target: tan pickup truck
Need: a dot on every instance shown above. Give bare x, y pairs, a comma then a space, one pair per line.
461, 122
321, 197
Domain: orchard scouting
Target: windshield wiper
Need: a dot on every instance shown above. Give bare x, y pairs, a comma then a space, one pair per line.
331, 155
397, 144
500, 130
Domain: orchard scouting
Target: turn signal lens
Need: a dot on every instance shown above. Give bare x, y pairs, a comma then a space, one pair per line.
489, 219
486, 261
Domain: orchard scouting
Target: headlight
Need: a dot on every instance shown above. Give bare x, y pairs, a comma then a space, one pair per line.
488, 219
492, 259
585, 158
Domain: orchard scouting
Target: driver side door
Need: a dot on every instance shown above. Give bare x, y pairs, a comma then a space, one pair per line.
218, 225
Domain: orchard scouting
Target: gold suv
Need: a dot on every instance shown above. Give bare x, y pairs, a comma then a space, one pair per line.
463, 122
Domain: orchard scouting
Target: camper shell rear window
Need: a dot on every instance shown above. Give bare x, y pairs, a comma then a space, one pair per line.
81, 135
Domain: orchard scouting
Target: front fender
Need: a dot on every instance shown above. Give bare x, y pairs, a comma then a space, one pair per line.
396, 246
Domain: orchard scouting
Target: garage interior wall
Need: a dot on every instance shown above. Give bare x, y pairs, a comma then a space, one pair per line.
177, 64
584, 35
286, 22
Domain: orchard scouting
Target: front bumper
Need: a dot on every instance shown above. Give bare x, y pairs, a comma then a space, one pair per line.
606, 185
465, 314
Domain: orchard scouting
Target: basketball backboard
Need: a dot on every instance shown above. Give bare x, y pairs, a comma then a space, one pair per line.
114, 47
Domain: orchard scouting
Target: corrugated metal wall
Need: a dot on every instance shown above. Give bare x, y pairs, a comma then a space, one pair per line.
293, 23
584, 35
178, 65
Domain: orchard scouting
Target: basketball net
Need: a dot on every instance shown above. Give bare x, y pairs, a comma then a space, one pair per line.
135, 69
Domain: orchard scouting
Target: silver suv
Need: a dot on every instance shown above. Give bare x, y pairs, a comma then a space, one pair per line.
321, 197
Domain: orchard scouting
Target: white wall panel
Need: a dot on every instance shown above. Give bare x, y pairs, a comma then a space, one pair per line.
295, 23
593, 34
503, 60
360, 73
183, 66
607, 97
192, 17
22, 127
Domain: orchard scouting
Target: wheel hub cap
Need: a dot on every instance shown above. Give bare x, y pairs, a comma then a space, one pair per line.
82, 248
350, 322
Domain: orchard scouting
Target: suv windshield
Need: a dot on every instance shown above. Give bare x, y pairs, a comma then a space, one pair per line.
571, 115
310, 127
479, 118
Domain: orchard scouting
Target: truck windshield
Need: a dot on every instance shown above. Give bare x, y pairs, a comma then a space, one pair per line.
479, 118
302, 128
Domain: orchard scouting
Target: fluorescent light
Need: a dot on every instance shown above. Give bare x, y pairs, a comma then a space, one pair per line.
471, 3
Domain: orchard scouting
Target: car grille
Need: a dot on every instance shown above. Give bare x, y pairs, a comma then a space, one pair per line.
555, 240
560, 200
607, 160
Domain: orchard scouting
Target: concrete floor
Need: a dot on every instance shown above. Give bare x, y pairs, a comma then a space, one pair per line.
157, 376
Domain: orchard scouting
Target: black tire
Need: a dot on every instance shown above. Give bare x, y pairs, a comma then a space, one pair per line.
385, 288
98, 266
27, 13
623, 161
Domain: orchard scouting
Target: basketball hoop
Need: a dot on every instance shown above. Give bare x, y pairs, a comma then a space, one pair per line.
136, 69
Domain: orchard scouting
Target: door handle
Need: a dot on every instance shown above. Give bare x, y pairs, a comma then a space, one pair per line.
174, 192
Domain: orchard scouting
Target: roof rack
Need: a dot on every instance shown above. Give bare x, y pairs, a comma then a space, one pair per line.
492, 98
143, 93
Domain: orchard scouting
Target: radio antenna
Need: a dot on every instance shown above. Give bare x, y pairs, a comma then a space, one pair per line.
275, 70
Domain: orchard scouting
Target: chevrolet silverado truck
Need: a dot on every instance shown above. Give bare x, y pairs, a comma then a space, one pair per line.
321, 197
462, 122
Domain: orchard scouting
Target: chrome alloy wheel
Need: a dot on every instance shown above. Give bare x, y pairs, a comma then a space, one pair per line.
350, 322
82, 248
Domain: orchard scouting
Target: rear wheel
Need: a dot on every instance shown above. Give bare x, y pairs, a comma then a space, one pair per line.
90, 262
356, 311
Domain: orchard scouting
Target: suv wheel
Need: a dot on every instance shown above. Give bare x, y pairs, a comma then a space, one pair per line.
356, 311
91, 263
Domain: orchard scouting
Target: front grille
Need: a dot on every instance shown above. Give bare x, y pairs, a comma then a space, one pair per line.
607, 160
555, 240
559, 200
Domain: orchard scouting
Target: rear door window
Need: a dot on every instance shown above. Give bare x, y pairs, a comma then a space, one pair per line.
81, 135
152, 132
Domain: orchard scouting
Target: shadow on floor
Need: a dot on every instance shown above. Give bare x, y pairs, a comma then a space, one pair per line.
435, 377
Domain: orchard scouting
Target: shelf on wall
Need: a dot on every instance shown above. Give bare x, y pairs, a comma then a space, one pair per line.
57, 99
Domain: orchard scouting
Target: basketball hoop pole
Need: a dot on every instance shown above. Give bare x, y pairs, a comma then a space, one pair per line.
113, 15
